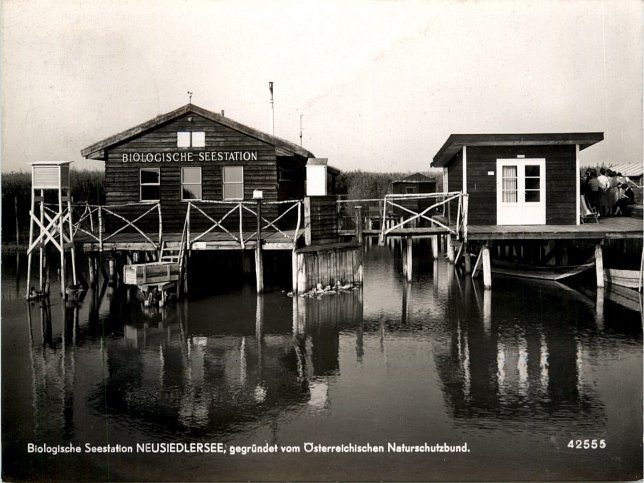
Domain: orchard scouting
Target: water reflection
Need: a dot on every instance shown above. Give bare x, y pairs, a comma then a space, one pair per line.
440, 352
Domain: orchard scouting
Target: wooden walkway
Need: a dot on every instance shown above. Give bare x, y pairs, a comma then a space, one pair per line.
210, 241
620, 227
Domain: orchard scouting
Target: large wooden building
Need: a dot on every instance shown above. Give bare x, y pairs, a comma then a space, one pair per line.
193, 154
516, 179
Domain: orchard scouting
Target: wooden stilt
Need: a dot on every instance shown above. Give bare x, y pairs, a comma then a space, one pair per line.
487, 311
111, 263
358, 221
450, 249
294, 271
63, 278
476, 265
186, 262
487, 267
410, 259
91, 270
599, 266
404, 257
435, 247
467, 259
259, 266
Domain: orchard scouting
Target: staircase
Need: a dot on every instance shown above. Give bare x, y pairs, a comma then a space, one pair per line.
167, 254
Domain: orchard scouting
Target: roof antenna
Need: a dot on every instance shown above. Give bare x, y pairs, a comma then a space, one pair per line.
189, 97
270, 88
301, 129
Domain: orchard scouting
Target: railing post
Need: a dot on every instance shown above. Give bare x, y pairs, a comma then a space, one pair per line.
188, 226
358, 210
241, 228
259, 266
160, 224
297, 226
100, 229
466, 198
381, 238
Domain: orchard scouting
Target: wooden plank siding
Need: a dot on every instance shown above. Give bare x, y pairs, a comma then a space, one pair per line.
455, 182
122, 178
560, 181
321, 215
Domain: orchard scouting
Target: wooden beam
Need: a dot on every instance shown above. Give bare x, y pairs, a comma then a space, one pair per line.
487, 267
599, 266
410, 263
450, 249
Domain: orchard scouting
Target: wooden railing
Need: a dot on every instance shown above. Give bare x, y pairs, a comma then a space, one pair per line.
92, 220
395, 212
245, 226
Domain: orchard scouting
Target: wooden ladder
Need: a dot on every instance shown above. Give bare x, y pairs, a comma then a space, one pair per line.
167, 254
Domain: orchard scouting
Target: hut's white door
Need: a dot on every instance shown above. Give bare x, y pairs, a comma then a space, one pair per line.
521, 191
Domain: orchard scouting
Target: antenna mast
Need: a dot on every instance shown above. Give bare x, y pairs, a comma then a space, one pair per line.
301, 129
270, 88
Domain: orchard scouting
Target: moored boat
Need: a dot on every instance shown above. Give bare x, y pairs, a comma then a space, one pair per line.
553, 272
623, 278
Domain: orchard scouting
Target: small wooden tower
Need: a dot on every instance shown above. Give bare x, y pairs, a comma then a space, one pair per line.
50, 224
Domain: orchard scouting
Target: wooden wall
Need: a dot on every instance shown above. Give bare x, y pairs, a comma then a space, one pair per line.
321, 219
561, 177
341, 263
122, 178
560, 181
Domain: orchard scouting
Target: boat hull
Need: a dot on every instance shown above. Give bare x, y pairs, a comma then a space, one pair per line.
622, 278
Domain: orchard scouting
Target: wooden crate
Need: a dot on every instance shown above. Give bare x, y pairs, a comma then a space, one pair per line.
146, 273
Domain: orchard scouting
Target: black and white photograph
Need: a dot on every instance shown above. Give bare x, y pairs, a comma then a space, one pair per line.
395, 240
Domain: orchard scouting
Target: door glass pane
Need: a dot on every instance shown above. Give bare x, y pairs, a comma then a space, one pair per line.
509, 184
532, 183
532, 170
532, 196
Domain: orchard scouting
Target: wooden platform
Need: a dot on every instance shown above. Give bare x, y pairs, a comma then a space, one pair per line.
210, 241
620, 227
608, 228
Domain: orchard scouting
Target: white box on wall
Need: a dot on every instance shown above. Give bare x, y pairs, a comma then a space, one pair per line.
316, 177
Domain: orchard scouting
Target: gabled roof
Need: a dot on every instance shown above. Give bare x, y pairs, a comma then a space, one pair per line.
456, 141
415, 178
282, 147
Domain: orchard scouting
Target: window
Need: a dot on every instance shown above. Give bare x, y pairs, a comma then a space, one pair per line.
233, 182
150, 182
409, 189
509, 184
190, 183
533, 183
186, 139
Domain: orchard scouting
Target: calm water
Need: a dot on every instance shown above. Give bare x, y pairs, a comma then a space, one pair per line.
515, 373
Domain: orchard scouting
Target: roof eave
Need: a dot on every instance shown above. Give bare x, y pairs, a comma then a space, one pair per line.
98, 150
456, 141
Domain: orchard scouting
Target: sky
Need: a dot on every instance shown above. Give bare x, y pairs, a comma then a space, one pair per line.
377, 85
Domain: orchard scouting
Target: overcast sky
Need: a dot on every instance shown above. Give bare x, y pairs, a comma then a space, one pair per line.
380, 85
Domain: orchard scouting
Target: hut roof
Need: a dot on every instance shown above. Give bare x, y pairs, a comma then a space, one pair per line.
415, 178
628, 168
283, 147
456, 141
